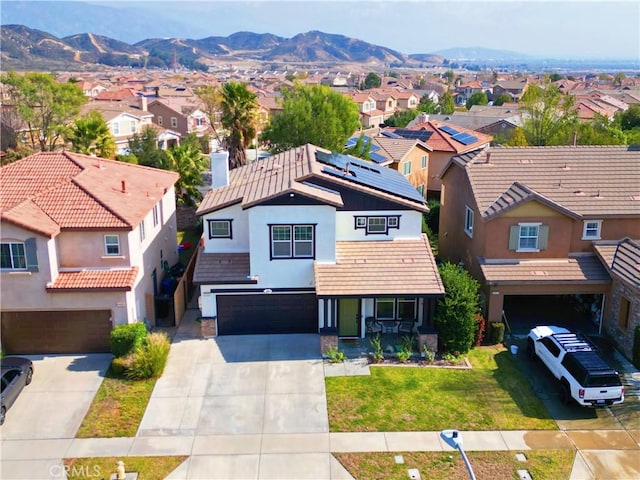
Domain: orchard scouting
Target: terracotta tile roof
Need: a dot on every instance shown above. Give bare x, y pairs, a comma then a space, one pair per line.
441, 141
589, 182
49, 191
293, 171
582, 268
622, 260
222, 268
116, 95
92, 280
392, 267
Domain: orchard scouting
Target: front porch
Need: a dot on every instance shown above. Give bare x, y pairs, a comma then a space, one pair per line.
391, 343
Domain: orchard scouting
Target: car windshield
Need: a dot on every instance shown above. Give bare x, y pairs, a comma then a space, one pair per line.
606, 380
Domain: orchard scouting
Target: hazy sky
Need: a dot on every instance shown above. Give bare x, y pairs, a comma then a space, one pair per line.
558, 29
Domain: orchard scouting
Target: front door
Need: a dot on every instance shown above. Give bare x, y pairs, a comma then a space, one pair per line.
349, 317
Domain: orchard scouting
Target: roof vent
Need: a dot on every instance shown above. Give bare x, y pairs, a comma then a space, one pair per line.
124, 186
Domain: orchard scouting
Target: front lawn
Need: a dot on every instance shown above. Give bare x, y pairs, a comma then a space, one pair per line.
494, 395
541, 464
148, 468
117, 408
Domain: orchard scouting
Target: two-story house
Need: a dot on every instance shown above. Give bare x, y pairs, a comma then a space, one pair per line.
84, 244
313, 241
525, 221
370, 115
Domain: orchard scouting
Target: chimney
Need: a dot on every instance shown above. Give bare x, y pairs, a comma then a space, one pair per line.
488, 160
143, 104
124, 186
575, 138
219, 169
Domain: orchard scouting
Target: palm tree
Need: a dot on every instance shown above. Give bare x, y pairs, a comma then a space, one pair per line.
239, 116
90, 134
188, 161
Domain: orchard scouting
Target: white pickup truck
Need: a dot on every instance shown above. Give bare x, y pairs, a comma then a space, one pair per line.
584, 376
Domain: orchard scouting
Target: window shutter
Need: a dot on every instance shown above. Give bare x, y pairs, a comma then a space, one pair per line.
30, 253
514, 237
543, 237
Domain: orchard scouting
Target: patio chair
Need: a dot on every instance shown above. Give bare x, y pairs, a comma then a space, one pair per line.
372, 325
406, 326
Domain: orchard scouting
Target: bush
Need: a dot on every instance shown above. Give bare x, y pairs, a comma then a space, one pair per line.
150, 358
376, 344
125, 339
496, 332
480, 331
335, 355
403, 355
636, 347
120, 365
429, 356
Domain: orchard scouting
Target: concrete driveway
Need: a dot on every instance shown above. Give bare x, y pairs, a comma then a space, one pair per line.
240, 385
45, 417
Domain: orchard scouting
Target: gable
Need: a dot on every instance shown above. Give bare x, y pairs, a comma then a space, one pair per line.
532, 208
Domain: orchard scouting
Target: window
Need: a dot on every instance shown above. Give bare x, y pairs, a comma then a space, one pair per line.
420, 189
591, 230
406, 168
292, 241
623, 313
528, 237
155, 215
423, 161
406, 308
142, 232
377, 225
174, 122
385, 308
199, 122
112, 245
160, 121
220, 229
132, 126
551, 346
116, 128
13, 256
468, 221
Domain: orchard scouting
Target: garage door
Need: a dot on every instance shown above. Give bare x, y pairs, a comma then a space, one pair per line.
84, 331
273, 313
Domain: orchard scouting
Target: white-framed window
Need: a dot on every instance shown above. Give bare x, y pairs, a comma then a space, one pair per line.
528, 236
112, 245
406, 308
361, 222
115, 126
132, 126
199, 122
142, 232
219, 228
385, 308
420, 189
468, 221
160, 120
423, 161
392, 222
406, 168
292, 241
592, 230
12, 256
156, 216
174, 122
377, 224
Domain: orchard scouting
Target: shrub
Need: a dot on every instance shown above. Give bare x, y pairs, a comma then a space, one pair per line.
150, 358
119, 365
403, 355
429, 356
636, 347
496, 332
335, 355
125, 339
376, 344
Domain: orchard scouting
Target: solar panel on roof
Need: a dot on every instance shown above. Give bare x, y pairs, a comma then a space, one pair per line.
422, 135
464, 138
448, 129
389, 134
376, 157
368, 174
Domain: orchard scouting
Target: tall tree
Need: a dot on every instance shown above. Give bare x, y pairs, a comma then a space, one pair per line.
447, 105
312, 114
478, 98
551, 114
188, 161
211, 98
239, 118
45, 105
144, 150
372, 80
90, 134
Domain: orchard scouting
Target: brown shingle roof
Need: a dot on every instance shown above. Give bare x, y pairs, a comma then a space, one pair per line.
219, 268
49, 191
89, 280
395, 149
392, 267
581, 268
588, 181
622, 259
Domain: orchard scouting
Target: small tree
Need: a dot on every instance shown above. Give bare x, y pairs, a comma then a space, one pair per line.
455, 314
90, 134
447, 105
478, 98
372, 80
501, 99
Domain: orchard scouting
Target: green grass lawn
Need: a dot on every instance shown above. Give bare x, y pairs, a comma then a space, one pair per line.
117, 408
541, 464
148, 468
494, 395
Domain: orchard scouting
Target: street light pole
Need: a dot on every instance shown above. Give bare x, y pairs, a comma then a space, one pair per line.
454, 440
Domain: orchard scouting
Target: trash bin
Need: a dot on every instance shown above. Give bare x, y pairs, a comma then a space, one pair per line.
514, 349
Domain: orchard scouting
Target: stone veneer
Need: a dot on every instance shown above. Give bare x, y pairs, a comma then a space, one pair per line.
208, 327
328, 341
428, 339
622, 337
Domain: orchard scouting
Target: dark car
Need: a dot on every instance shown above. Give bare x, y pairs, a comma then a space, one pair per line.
17, 373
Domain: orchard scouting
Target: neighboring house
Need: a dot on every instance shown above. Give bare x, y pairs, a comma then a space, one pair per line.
622, 309
313, 241
84, 242
179, 117
370, 115
514, 88
445, 140
524, 220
